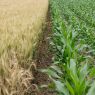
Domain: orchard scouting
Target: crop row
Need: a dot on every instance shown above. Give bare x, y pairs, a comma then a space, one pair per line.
78, 24
73, 71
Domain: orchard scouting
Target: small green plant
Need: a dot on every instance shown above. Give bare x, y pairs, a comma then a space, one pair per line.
74, 81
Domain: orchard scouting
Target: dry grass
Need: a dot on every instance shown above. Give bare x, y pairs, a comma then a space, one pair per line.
20, 24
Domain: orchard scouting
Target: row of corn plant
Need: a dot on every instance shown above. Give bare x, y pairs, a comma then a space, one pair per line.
71, 72
85, 30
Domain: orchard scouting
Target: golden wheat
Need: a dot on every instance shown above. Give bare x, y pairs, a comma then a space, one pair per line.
20, 24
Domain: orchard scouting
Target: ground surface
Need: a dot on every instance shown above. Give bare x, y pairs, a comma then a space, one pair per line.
44, 60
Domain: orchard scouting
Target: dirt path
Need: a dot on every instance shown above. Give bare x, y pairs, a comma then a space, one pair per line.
44, 59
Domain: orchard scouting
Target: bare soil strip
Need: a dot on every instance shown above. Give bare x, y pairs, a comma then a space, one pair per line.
44, 59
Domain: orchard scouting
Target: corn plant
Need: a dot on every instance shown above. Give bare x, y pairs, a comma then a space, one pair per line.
74, 81
71, 74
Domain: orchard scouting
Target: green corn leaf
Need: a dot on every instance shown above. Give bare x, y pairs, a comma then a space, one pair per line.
70, 88
60, 87
50, 73
57, 69
92, 73
73, 74
91, 90
73, 66
83, 72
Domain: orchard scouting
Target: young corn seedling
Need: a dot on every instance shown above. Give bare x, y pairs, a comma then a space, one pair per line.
69, 75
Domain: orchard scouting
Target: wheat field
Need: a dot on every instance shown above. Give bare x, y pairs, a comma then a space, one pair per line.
21, 22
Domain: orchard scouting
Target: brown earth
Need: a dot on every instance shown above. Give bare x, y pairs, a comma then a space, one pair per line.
43, 60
